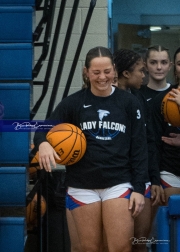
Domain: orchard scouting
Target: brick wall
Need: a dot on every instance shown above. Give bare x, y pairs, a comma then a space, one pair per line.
97, 34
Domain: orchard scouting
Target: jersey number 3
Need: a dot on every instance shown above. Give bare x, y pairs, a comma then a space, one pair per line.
138, 114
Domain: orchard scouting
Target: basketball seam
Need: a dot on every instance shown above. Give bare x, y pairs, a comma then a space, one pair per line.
72, 146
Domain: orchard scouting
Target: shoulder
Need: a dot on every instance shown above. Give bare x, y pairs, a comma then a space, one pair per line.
128, 99
72, 101
121, 92
161, 94
159, 98
146, 91
143, 88
139, 96
75, 95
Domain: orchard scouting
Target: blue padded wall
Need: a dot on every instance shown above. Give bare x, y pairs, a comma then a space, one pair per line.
13, 186
16, 57
12, 234
174, 212
163, 237
16, 61
18, 2
17, 24
14, 147
15, 99
174, 205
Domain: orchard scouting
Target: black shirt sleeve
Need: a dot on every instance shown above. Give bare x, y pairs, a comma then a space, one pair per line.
139, 156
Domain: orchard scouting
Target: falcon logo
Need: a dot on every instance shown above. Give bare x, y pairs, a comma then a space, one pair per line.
103, 113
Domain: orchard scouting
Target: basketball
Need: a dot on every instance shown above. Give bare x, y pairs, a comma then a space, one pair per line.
31, 211
68, 141
170, 111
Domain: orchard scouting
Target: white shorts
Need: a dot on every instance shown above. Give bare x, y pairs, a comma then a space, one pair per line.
78, 197
147, 193
169, 180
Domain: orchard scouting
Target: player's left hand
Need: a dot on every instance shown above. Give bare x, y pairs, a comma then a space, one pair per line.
136, 203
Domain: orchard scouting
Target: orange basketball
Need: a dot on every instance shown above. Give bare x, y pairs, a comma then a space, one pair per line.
170, 111
68, 141
31, 211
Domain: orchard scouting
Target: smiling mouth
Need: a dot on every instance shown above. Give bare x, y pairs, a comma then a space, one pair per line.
102, 83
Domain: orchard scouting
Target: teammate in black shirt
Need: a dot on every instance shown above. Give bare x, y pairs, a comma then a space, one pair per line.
100, 185
168, 155
130, 69
158, 64
174, 139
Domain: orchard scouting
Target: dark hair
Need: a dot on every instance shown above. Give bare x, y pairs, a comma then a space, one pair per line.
95, 52
175, 54
98, 51
125, 59
157, 48
86, 82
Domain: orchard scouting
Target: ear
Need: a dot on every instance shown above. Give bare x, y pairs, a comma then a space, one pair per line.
145, 66
126, 74
85, 72
170, 65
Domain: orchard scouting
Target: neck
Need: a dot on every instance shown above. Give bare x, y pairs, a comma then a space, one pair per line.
157, 85
122, 85
102, 93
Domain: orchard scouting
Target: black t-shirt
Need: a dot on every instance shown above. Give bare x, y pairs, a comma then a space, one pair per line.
150, 94
115, 134
153, 167
168, 155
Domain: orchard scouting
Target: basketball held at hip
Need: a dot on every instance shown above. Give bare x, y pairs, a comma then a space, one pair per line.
68, 141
